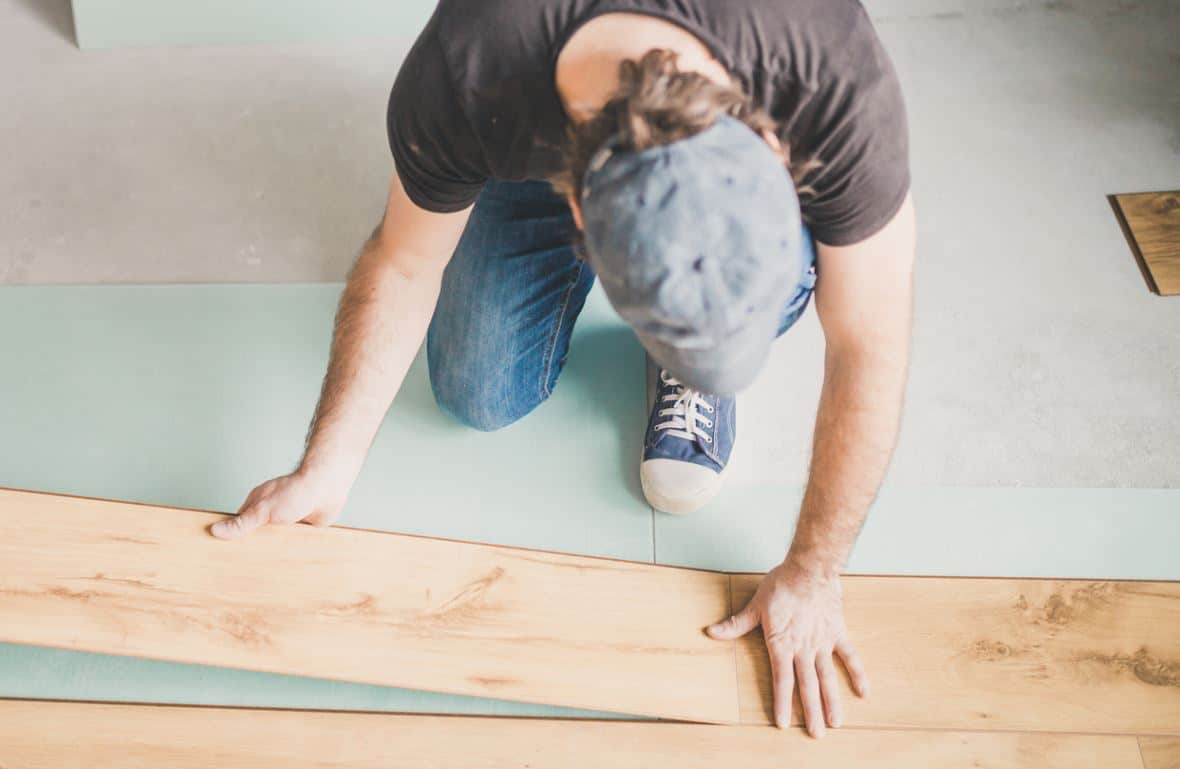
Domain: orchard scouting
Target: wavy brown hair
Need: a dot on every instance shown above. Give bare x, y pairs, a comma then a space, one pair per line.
657, 104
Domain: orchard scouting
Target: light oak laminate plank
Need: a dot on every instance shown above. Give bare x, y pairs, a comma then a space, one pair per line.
1100, 657
56, 735
1027, 655
1160, 752
364, 606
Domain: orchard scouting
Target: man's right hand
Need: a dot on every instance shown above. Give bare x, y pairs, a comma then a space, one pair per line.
296, 498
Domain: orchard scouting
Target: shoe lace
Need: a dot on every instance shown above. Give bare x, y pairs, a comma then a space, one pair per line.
685, 414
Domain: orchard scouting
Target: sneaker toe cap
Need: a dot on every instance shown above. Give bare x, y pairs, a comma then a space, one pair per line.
674, 486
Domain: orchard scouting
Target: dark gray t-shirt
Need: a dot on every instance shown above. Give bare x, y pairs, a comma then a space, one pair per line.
476, 99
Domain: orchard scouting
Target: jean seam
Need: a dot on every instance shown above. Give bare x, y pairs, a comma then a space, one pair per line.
546, 391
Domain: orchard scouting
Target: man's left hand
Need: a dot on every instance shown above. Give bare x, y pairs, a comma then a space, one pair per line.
802, 619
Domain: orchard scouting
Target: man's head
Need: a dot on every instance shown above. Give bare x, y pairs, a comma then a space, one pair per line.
691, 220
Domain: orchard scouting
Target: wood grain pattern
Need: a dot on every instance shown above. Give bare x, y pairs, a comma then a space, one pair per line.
363, 606
1160, 752
1001, 654
1151, 222
1024, 655
53, 735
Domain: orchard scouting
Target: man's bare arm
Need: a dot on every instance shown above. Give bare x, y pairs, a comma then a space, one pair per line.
383, 315
864, 298
864, 303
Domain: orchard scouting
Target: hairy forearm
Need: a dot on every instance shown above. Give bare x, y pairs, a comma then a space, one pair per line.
855, 433
382, 318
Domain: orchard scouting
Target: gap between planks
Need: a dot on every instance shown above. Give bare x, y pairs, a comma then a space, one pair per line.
960, 654
64, 735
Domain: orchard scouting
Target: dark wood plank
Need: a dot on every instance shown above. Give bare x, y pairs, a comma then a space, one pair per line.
1151, 223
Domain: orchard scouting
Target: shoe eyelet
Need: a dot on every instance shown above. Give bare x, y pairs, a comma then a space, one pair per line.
708, 423
707, 439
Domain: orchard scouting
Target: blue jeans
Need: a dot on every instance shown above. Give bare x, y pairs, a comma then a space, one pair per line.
509, 300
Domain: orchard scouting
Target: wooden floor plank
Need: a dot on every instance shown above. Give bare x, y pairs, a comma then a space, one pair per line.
1151, 222
1026, 655
55, 735
363, 606
1001, 654
1160, 752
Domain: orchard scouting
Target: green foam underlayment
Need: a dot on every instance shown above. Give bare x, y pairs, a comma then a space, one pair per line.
112, 23
189, 395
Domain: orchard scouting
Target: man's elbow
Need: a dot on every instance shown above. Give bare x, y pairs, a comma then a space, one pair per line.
383, 257
883, 353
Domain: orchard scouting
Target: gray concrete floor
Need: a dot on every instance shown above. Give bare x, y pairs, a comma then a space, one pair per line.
1040, 357
186, 164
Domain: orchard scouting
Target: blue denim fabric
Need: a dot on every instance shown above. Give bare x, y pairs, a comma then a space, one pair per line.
798, 304
712, 452
510, 297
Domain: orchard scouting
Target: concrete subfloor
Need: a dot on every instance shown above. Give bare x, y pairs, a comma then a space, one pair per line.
1040, 357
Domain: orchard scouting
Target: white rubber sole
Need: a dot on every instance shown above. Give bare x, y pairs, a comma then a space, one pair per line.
695, 486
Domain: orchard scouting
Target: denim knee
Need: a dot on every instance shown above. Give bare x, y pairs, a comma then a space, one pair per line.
484, 405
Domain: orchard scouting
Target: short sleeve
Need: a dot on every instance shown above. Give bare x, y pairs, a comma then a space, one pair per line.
438, 158
863, 173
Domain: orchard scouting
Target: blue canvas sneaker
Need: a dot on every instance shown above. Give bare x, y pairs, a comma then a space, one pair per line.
689, 438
